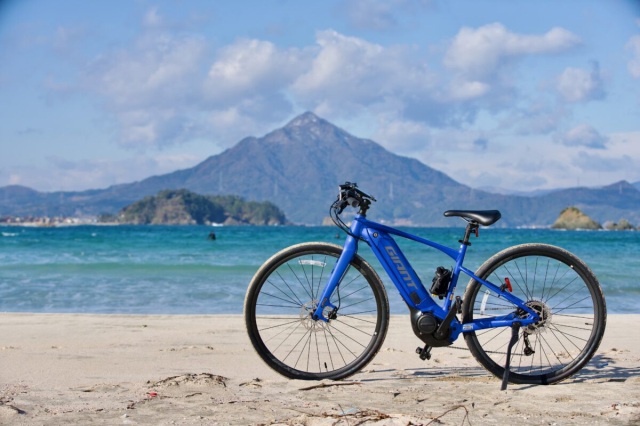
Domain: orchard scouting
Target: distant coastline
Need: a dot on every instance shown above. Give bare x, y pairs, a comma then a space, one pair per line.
49, 222
61, 222
182, 205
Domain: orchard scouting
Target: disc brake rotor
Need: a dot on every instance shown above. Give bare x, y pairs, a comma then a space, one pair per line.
544, 312
306, 317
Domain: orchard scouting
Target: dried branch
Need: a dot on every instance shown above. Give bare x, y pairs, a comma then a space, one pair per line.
327, 385
466, 416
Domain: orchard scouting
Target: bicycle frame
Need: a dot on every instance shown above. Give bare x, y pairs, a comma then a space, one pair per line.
379, 238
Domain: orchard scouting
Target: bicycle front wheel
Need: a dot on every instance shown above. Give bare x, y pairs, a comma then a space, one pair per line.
285, 292
562, 290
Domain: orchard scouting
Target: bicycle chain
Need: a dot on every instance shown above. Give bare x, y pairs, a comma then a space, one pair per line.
487, 352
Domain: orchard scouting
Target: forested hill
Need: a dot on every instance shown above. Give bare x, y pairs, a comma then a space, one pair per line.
183, 207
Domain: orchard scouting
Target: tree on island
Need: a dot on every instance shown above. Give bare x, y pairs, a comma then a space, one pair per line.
573, 218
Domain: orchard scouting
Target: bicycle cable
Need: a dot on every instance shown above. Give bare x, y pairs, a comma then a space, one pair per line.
349, 195
335, 218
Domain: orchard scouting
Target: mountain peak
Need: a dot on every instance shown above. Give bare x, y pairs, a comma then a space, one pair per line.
305, 119
310, 127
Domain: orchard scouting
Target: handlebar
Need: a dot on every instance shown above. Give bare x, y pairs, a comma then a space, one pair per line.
350, 195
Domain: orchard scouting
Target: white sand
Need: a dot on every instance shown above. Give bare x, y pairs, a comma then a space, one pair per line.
115, 369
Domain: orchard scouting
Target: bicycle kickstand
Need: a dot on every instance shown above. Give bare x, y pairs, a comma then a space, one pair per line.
515, 328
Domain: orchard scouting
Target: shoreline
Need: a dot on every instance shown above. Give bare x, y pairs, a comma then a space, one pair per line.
202, 369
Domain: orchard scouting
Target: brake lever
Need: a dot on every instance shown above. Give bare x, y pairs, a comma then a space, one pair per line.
341, 206
371, 197
364, 194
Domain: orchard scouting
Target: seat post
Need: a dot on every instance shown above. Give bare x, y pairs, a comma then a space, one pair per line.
472, 227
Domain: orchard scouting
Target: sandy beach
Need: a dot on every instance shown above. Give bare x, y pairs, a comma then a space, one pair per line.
125, 369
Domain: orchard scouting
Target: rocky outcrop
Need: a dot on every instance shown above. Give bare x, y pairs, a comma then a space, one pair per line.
574, 218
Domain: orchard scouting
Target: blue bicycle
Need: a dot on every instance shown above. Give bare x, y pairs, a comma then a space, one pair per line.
531, 314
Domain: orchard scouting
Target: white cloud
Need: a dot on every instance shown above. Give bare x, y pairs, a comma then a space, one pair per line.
149, 89
407, 137
157, 68
236, 122
625, 143
356, 71
537, 118
159, 126
451, 150
478, 52
251, 65
606, 165
584, 135
61, 174
461, 90
481, 68
633, 46
168, 89
349, 75
618, 162
581, 85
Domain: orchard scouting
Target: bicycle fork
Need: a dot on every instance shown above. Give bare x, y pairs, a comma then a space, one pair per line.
339, 270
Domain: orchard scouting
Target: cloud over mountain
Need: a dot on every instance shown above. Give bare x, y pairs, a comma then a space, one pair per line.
137, 87
171, 87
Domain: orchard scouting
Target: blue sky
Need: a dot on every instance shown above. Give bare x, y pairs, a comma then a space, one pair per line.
520, 95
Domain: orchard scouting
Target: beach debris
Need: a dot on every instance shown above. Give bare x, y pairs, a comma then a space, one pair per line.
5, 348
364, 416
10, 409
466, 415
255, 383
100, 387
201, 379
327, 385
7, 394
348, 411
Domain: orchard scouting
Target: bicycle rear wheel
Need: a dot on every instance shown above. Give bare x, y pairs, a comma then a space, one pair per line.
567, 296
282, 297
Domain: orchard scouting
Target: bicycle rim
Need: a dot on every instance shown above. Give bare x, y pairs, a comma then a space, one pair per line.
283, 296
566, 295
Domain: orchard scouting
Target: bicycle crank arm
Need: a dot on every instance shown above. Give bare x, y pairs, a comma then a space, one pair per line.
443, 330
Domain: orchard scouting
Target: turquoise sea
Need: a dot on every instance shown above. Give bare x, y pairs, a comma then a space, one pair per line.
178, 270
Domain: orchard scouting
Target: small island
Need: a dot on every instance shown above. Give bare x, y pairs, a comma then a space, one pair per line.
622, 225
183, 207
573, 218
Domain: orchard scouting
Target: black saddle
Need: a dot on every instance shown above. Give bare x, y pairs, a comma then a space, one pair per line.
482, 217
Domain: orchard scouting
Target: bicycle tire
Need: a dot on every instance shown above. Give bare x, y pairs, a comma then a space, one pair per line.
562, 289
284, 292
